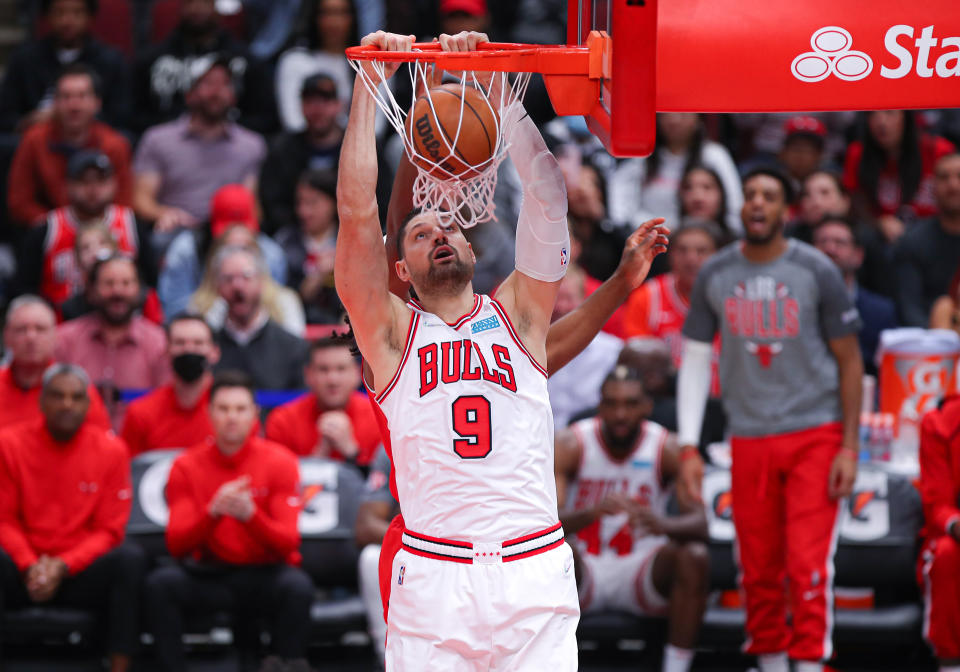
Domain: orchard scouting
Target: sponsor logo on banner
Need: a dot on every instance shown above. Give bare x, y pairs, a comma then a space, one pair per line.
866, 512
719, 504
865, 515
318, 498
832, 54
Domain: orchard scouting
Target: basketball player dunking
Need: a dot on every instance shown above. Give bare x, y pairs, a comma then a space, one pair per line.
484, 579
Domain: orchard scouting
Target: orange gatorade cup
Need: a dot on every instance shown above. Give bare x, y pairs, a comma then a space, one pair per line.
917, 368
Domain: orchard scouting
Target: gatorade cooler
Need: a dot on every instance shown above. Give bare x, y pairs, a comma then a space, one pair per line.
917, 368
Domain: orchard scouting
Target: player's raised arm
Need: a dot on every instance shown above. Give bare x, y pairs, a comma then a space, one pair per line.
543, 241
569, 335
361, 271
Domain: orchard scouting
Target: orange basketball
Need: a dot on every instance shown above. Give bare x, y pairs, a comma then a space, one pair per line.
434, 131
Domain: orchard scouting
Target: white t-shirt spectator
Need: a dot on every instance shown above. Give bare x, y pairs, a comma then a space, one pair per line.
634, 202
294, 66
576, 387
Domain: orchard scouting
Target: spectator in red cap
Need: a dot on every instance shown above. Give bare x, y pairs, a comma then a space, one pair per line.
334, 419
49, 261
459, 15
803, 145
234, 502
232, 207
30, 337
175, 415
39, 169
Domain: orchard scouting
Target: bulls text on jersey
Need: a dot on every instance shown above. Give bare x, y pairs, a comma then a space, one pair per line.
452, 361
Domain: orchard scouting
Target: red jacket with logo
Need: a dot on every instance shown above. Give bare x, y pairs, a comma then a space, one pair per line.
940, 467
270, 536
69, 500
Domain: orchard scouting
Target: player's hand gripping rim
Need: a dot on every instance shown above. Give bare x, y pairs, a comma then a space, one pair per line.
386, 42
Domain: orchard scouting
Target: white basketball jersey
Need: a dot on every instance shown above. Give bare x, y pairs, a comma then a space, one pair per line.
471, 429
637, 476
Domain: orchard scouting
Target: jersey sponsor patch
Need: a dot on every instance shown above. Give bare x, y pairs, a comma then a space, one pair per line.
642, 464
485, 325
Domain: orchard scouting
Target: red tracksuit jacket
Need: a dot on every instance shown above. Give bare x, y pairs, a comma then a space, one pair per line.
270, 536
940, 467
68, 500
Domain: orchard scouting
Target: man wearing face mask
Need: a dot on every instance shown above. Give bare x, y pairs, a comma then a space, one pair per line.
175, 415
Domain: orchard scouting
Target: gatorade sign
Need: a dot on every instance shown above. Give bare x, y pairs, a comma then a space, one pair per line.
725, 56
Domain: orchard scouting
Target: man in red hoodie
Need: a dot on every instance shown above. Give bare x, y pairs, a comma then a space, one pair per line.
333, 420
939, 565
64, 503
234, 502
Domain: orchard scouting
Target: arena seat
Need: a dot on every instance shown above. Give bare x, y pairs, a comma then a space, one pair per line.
57, 625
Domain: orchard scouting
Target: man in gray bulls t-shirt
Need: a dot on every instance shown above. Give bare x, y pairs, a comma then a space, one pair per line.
790, 371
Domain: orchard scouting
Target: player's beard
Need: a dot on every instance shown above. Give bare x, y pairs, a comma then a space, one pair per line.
762, 239
446, 279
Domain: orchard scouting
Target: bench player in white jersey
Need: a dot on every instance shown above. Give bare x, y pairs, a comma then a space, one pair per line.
484, 580
614, 472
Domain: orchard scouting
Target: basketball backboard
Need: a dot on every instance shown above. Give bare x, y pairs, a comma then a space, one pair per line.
624, 116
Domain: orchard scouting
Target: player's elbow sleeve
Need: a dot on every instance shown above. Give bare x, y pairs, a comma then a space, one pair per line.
693, 388
543, 239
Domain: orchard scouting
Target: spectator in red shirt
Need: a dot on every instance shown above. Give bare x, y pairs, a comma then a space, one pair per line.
175, 415
659, 306
38, 174
334, 419
64, 502
50, 260
939, 565
234, 502
890, 171
119, 348
30, 336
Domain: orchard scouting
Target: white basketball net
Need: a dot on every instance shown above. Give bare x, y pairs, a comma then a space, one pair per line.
465, 197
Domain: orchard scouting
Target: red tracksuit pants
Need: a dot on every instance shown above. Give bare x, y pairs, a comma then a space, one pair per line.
787, 527
939, 570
